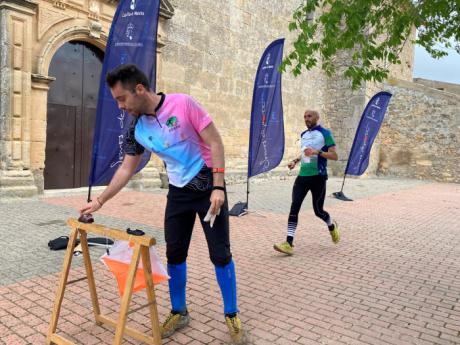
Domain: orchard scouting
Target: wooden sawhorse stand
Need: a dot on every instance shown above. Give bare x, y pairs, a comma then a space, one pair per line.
141, 249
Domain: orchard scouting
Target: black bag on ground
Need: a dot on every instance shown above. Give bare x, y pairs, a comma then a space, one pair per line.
238, 209
59, 243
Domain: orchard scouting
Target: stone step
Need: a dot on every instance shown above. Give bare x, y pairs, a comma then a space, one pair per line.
17, 191
16, 181
16, 173
15, 178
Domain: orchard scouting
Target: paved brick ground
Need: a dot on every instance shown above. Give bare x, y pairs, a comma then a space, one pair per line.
394, 278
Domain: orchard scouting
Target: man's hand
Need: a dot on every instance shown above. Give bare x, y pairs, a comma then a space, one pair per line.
211, 217
310, 152
91, 207
217, 200
291, 165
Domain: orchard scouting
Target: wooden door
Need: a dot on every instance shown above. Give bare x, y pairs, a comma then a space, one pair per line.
71, 114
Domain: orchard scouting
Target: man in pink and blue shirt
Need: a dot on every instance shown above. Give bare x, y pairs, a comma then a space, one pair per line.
177, 129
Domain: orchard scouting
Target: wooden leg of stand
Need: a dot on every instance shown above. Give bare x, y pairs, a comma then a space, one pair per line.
90, 276
62, 285
127, 296
151, 295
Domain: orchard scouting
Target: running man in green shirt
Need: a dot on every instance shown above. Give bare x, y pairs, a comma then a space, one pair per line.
317, 145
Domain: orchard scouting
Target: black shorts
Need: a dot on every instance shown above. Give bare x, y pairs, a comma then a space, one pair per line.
182, 206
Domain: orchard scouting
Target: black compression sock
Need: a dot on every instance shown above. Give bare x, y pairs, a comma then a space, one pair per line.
290, 240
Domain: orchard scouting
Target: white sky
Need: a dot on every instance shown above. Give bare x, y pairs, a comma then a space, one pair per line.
446, 69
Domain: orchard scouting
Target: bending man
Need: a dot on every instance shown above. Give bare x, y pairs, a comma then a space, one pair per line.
182, 134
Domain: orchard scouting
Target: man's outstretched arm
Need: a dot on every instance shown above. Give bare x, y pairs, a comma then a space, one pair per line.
119, 180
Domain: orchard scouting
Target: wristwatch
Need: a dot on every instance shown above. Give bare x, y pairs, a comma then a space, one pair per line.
320, 152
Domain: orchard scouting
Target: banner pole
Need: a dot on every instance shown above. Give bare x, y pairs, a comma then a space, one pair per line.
247, 193
343, 182
340, 195
89, 194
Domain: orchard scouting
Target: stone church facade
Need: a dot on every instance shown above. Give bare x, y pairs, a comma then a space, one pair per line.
209, 49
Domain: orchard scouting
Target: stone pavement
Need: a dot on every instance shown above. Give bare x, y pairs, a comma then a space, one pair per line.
394, 278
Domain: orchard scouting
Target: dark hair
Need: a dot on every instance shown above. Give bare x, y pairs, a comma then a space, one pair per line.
129, 75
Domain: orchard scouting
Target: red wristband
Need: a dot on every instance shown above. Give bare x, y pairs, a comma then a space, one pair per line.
218, 170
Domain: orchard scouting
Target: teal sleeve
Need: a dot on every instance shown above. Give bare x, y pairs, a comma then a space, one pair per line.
328, 139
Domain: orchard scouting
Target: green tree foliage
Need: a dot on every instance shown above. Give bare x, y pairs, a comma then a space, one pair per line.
374, 32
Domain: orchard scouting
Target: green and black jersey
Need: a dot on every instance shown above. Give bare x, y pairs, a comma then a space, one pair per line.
318, 138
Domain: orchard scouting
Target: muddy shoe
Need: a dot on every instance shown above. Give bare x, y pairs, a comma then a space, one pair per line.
237, 332
173, 322
284, 247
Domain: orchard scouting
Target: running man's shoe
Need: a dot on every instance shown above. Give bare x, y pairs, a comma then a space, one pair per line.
236, 330
284, 247
173, 323
335, 234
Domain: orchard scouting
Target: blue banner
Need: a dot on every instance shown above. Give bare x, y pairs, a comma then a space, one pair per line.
266, 136
368, 128
132, 39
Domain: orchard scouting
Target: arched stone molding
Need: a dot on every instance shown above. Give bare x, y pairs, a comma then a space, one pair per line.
74, 33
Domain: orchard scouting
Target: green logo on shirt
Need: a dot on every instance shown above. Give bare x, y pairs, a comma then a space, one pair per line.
172, 122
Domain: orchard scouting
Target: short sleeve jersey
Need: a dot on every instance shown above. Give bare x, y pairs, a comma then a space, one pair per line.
174, 135
318, 138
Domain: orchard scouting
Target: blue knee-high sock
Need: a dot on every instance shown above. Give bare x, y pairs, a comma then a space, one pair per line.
177, 284
227, 281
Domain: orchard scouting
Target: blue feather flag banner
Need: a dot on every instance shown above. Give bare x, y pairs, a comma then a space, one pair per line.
266, 137
132, 39
368, 128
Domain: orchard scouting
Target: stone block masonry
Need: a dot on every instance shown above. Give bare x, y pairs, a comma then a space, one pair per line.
420, 137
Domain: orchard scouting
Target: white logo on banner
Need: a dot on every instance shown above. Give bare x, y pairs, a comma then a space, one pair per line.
130, 31
120, 118
263, 132
266, 78
132, 10
267, 60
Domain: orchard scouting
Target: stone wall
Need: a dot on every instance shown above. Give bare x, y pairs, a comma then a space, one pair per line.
15, 97
439, 85
5, 73
420, 137
344, 106
342, 111
212, 51
404, 70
